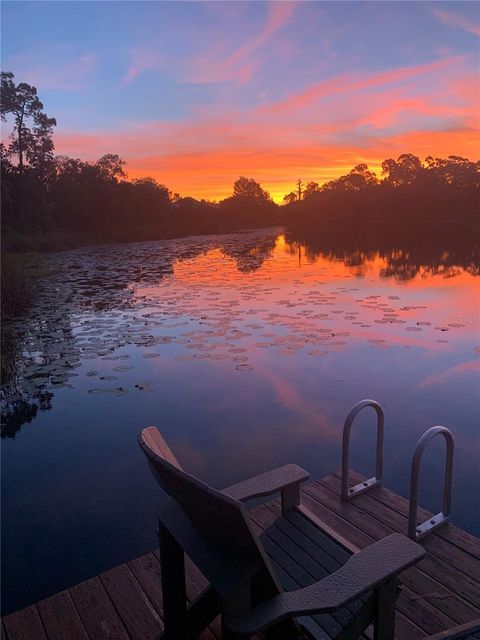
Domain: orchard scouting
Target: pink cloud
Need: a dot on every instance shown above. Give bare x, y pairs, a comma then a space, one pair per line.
209, 172
347, 84
456, 20
242, 63
362, 121
216, 65
397, 107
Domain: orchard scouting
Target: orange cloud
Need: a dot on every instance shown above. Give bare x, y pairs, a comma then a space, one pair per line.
210, 173
276, 144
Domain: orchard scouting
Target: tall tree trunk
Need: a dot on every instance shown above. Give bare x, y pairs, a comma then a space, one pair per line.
20, 139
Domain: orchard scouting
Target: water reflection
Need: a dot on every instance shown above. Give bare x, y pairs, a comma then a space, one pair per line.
407, 252
97, 301
39, 350
246, 350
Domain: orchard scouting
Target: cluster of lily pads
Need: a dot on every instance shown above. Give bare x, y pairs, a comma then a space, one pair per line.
198, 299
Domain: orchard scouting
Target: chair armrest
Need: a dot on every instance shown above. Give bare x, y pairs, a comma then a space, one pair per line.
267, 483
364, 571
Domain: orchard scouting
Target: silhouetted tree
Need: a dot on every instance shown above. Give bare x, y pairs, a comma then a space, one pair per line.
299, 188
110, 167
23, 103
40, 148
357, 179
310, 189
91, 201
7, 96
250, 188
403, 171
455, 170
249, 204
290, 197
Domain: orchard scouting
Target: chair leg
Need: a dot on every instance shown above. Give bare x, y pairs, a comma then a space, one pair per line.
385, 611
173, 586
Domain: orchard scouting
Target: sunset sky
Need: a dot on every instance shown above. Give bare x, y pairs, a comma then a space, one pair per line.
197, 93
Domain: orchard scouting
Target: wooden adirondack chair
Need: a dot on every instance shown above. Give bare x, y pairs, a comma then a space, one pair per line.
213, 528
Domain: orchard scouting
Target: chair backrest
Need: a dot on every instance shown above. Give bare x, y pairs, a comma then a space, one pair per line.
221, 521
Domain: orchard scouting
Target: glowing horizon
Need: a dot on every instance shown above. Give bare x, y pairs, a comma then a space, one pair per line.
197, 94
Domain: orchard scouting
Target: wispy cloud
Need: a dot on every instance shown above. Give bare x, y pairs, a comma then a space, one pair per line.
216, 64
348, 83
241, 64
454, 19
142, 60
72, 75
317, 133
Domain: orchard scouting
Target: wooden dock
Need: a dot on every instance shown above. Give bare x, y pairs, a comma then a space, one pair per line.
439, 600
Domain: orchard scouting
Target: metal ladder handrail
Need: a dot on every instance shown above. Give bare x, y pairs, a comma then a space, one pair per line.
416, 532
350, 492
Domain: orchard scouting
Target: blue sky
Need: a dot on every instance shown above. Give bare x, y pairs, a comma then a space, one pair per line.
196, 93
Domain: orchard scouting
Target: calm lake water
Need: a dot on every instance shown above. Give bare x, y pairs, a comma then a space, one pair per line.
247, 352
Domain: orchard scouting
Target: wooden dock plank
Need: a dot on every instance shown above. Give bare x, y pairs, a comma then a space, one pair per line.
195, 583
125, 603
472, 631
147, 571
423, 613
349, 531
450, 576
24, 625
148, 574
134, 608
405, 629
60, 618
451, 533
456, 581
97, 612
418, 579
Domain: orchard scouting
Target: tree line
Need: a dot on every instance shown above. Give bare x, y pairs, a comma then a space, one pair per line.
408, 192
51, 201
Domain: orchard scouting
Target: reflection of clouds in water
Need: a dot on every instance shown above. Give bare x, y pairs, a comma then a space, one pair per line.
221, 299
451, 372
310, 421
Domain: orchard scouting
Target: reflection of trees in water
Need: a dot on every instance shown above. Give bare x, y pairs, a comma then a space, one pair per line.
39, 350
33, 362
251, 258
445, 251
